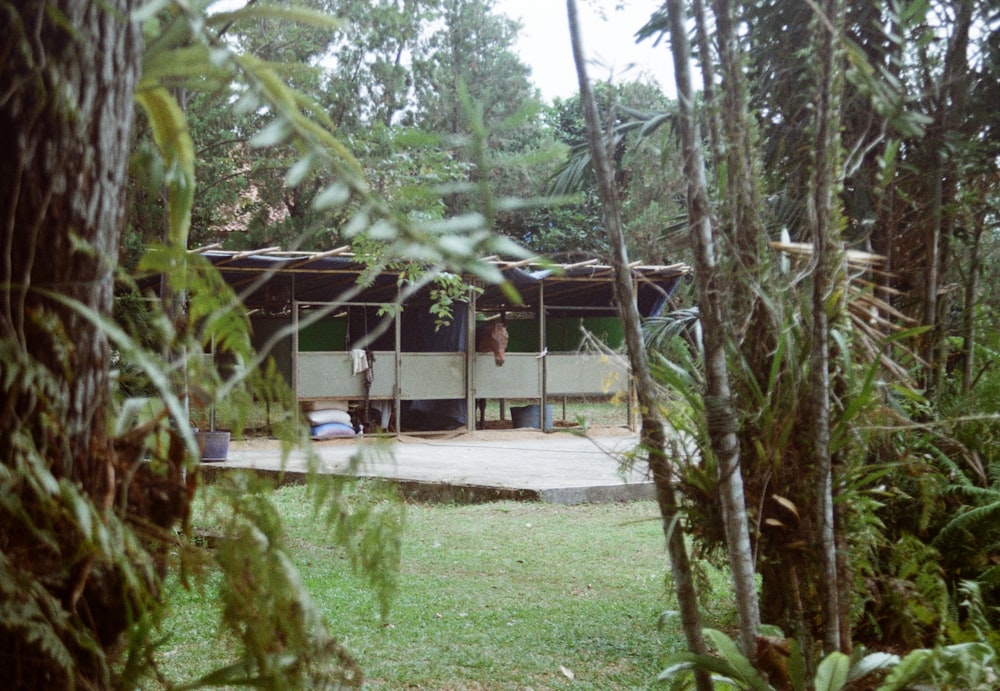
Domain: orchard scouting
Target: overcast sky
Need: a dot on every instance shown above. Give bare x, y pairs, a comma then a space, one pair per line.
608, 43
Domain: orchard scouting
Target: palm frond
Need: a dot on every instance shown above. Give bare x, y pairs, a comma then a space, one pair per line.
571, 175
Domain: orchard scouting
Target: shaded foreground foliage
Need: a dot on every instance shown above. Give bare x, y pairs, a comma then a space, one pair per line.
816, 382
97, 481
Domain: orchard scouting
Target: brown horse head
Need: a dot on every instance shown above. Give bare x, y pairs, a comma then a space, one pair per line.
491, 337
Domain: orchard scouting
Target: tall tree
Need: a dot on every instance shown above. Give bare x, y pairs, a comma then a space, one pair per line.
371, 80
473, 50
467, 71
66, 123
388, 76
948, 97
846, 159
246, 197
647, 176
653, 432
714, 311
823, 216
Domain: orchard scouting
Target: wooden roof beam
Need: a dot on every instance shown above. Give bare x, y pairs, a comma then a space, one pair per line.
205, 248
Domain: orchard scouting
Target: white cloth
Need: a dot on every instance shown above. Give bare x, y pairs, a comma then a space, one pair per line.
385, 412
360, 360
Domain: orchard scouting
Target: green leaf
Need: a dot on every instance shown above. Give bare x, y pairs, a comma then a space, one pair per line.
677, 671
383, 230
831, 675
80, 508
332, 196
274, 133
297, 14
797, 666
148, 10
170, 133
196, 63
142, 357
299, 171
464, 223
913, 667
737, 665
872, 663
683, 663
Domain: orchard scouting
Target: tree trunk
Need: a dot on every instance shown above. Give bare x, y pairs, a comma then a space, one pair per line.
951, 97
653, 434
66, 130
719, 409
969, 306
932, 250
708, 80
823, 217
66, 110
741, 180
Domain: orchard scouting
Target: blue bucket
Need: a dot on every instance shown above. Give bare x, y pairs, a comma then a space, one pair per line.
528, 416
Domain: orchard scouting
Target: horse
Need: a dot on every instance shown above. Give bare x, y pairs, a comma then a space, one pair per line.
491, 337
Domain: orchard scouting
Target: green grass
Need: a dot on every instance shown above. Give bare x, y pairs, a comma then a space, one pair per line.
492, 596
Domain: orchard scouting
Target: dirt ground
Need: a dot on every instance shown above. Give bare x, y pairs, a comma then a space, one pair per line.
498, 430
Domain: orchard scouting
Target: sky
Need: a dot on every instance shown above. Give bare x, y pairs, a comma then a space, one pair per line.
608, 43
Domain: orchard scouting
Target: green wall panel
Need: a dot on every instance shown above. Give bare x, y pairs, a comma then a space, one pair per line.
326, 334
563, 334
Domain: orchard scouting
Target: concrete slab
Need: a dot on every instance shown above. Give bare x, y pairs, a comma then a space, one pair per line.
469, 467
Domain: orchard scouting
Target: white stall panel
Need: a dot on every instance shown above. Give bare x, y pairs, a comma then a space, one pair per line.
432, 375
329, 374
520, 376
583, 374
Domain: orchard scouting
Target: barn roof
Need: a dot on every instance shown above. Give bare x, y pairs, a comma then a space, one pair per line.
268, 279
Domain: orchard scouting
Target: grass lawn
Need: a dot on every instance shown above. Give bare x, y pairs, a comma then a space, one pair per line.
492, 596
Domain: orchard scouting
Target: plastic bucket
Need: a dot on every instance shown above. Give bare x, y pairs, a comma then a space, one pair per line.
214, 445
527, 416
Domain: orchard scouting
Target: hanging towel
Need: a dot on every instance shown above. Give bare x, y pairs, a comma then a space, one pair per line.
385, 412
360, 360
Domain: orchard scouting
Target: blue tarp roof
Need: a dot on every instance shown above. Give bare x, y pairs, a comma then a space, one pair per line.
270, 279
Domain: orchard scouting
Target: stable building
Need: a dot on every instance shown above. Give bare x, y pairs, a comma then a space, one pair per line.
346, 338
